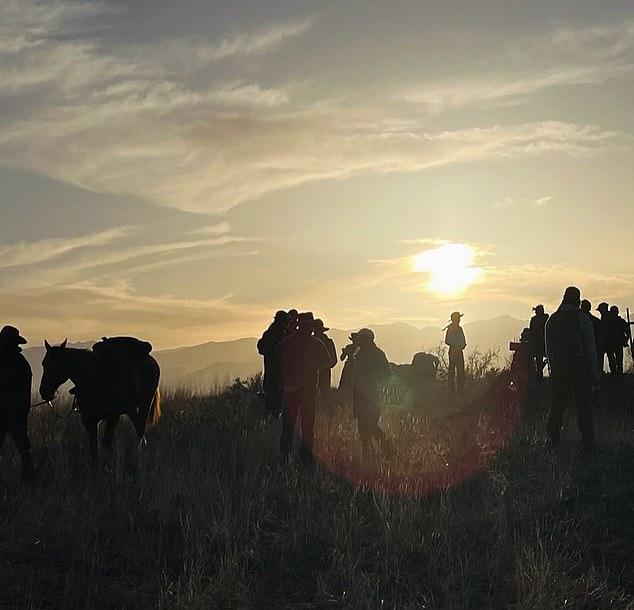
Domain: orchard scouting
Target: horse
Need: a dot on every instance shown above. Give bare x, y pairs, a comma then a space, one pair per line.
99, 390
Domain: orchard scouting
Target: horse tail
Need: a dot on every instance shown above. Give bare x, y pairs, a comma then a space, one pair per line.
155, 409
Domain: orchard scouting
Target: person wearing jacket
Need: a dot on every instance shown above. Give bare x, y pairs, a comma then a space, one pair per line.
572, 354
15, 396
537, 339
301, 357
325, 373
370, 372
456, 341
619, 333
267, 347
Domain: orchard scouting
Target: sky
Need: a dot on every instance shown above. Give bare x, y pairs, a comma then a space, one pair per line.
179, 171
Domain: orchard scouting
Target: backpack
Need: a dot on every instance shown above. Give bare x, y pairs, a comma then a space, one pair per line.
566, 353
129, 348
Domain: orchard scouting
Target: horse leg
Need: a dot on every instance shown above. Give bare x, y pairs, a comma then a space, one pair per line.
90, 423
108, 434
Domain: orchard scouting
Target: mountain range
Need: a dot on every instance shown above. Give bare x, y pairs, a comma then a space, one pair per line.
214, 364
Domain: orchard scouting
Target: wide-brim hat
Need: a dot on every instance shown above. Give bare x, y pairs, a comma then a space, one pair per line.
11, 335
454, 315
305, 319
319, 326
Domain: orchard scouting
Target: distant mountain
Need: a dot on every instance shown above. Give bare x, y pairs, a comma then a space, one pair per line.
216, 363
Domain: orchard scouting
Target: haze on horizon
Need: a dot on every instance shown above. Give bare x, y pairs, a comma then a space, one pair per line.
180, 171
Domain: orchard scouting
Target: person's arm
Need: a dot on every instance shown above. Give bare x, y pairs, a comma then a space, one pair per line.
463, 338
26, 378
326, 358
589, 344
262, 344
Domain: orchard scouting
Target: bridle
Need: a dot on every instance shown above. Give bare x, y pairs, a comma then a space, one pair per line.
73, 407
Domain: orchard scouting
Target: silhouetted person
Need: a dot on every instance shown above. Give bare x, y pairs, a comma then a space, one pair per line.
347, 357
586, 307
325, 373
522, 365
457, 343
302, 356
604, 339
371, 370
572, 355
267, 347
619, 333
537, 336
291, 326
15, 396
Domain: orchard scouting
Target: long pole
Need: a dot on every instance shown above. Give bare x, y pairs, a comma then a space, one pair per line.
630, 324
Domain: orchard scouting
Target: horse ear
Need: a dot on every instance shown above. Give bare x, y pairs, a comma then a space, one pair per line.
64, 342
47, 345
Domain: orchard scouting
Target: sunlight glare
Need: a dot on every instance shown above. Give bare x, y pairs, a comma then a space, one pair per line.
451, 268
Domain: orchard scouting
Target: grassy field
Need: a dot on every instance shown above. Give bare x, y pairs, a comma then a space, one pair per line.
472, 511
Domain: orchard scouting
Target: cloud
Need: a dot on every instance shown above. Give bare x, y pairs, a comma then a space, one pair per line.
512, 202
559, 58
119, 252
260, 41
37, 252
121, 119
86, 311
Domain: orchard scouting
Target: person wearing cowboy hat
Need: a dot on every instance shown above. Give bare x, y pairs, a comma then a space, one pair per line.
15, 396
456, 341
537, 339
325, 373
604, 339
301, 357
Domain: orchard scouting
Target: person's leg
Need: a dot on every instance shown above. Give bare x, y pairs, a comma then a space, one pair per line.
612, 362
272, 400
21, 439
451, 371
582, 390
365, 435
618, 354
460, 370
289, 417
560, 394
307, 415
539, 366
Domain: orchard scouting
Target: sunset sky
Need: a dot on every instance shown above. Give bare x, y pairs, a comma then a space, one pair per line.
180, 170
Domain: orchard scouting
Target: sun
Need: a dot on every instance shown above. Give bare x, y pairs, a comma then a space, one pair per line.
451, 268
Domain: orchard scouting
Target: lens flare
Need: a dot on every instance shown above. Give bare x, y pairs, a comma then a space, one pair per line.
451, 268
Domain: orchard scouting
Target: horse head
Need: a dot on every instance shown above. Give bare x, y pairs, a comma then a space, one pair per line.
55, 369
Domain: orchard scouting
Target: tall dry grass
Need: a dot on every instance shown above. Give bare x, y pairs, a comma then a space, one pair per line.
472, 511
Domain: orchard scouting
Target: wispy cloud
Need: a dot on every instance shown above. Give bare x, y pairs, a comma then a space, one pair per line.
512, 202
119, 120
37, 252
258, 41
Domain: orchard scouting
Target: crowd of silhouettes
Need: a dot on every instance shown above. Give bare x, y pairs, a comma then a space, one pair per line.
612, 334
298, 360
574, 344
299, 357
